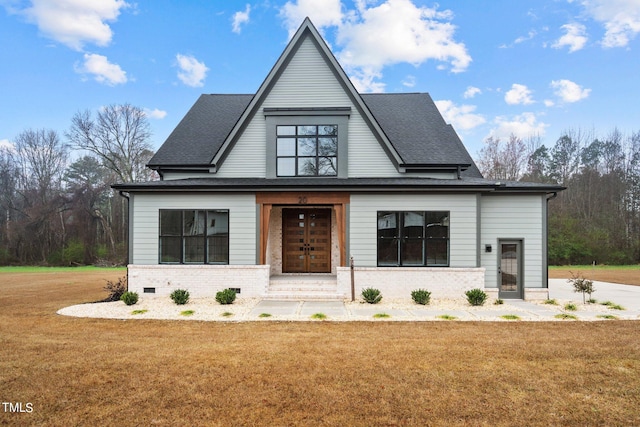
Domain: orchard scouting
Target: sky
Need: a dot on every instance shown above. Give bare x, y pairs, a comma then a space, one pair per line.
495, 68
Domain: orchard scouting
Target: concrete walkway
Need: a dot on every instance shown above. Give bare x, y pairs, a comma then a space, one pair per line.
624, 295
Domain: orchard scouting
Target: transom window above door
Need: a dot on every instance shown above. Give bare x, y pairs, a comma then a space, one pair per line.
307, 150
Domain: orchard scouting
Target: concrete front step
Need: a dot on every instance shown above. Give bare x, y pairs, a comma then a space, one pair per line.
303, 287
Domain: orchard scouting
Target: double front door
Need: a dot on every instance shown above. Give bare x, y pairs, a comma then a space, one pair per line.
306, 240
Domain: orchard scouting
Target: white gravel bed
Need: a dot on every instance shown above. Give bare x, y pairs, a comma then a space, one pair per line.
207, 309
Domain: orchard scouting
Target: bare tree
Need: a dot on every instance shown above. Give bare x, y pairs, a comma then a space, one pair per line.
118, 136
503, 161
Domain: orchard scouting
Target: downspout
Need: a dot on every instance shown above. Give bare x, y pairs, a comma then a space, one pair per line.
546, 273
126, 196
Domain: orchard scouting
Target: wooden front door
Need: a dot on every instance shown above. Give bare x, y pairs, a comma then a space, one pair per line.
306, 240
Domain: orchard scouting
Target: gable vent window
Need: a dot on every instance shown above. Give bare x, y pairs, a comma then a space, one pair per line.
309, 150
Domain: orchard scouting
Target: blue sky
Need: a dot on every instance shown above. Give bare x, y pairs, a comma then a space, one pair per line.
494, 68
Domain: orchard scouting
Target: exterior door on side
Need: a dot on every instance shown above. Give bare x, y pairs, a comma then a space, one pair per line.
510, 280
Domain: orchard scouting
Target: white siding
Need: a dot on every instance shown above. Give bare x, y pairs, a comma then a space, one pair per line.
307, 81
242, 222
462, 228
517, 217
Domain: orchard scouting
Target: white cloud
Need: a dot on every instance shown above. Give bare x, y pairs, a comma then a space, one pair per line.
621, 19
75, 22
549, 103
102, 70
471, 92
155, 113
323, 13
461, 117
574, 37
519, 94
373, 37
409, 81
192, 72
523, 126
240, 18
569, 91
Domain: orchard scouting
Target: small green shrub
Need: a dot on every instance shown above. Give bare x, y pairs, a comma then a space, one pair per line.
570, 307
607, 316
139, 311
476, 296
565, 316
550, 302
421, 296
129, 298
227, 296
180, 296
607, 303
498, 301
116, 289
320, 316
371, 295
187, 313
510, 317
592, 301
381, 316
227, 314
447, 317
264, 315
616, 307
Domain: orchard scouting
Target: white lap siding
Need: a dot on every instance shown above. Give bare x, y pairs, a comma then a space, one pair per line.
242, 222
514, 217
463, 230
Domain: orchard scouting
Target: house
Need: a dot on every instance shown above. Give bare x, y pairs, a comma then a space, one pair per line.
276, 193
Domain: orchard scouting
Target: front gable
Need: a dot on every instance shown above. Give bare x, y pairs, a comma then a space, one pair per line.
306, 87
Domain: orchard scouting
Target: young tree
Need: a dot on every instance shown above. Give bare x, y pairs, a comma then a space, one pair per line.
502, 161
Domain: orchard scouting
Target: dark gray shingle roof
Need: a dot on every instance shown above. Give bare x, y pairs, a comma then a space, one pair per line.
411, 122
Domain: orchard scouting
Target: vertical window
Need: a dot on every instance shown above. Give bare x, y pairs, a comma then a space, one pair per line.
413, 238
310, 150
194, 236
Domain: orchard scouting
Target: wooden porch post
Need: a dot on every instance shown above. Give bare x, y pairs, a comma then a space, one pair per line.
265, 215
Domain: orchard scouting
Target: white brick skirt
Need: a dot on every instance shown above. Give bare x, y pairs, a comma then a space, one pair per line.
199, 280
398, 282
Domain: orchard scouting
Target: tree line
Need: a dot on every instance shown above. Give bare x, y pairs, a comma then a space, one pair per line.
58, 210
597, 218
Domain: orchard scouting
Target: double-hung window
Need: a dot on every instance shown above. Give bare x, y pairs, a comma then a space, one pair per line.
413, 238
194, 236
307, 150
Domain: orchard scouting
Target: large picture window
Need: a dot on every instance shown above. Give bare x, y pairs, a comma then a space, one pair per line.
194, 236
309, 150
413, 238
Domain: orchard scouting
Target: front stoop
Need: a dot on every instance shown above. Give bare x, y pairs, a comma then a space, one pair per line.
303, 287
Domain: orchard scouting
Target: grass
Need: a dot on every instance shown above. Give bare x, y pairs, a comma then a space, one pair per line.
139, 311
79, 371
625, 274
566, 316
551, 302
54, 270
319, 316
498, 301
381, 316
607, 316
187, 313
265, 315
570, 307
447, 317
613, 305
510, 317
227, 314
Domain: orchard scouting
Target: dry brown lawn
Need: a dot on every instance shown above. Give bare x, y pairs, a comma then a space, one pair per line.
111, 372
628, 275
